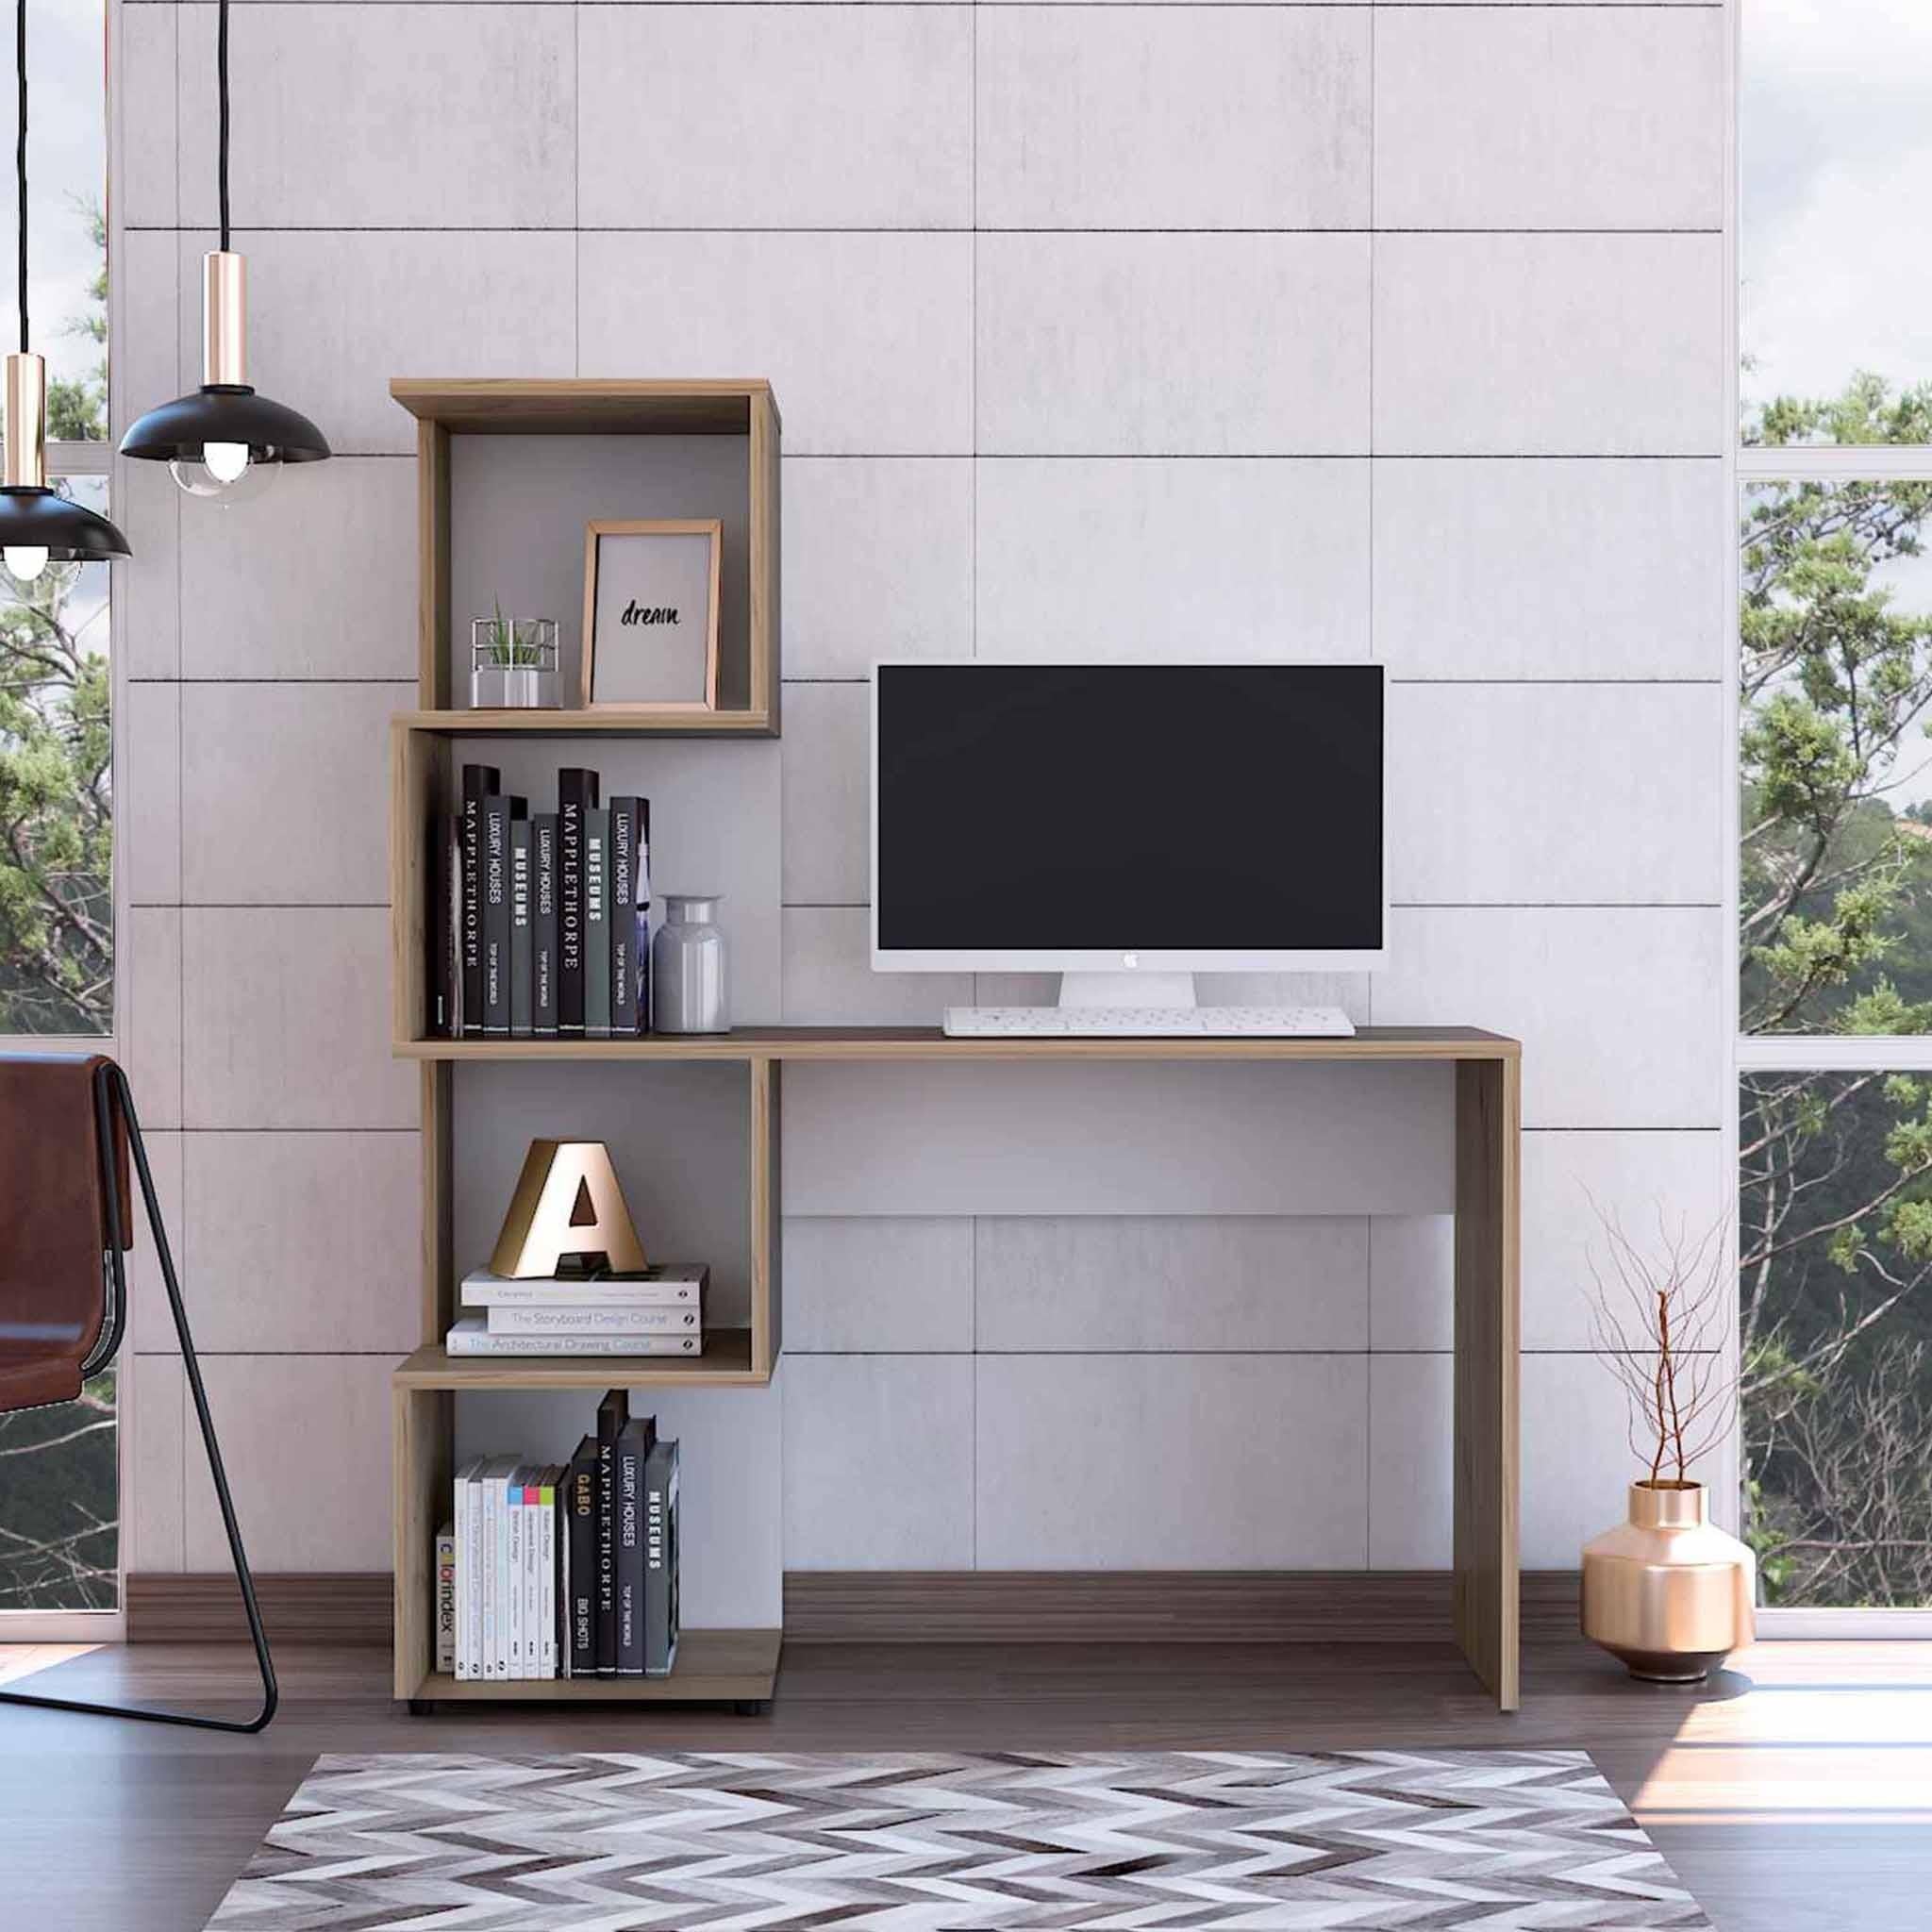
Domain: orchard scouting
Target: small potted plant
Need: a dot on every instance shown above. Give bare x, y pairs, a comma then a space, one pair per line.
513, 663
1666, 1591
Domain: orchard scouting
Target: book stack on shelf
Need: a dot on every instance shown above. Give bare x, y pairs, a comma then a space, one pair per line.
564, 1570
541, 925
656, 1311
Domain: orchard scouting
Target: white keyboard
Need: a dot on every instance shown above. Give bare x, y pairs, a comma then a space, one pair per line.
1154, 1023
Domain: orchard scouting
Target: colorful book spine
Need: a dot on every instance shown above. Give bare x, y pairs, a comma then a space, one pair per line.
581, 1510
480, 782
660, 1560
544, 1566
577, 798
514, 1514
522, 937
543, 924
624, 944
633, 1445
497, 819
597, 924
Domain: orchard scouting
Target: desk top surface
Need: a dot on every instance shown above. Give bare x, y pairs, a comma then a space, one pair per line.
929, 1044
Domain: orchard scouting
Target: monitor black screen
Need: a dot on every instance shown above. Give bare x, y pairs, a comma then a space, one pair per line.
1103, 808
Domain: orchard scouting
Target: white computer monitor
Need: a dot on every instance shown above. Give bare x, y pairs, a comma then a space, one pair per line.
1141, 821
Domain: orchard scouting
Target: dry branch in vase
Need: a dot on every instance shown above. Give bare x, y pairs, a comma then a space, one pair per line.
1660, 1323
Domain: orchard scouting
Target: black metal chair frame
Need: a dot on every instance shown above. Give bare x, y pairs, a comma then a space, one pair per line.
111, 1094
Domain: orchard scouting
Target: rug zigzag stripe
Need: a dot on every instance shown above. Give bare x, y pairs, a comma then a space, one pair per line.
926, 1841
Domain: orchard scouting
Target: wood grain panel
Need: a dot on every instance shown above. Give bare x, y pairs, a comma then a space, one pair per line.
1488, 1110
350, 1606
1219, 1606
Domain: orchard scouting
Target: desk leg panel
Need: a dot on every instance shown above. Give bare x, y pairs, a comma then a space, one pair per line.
1488, 1311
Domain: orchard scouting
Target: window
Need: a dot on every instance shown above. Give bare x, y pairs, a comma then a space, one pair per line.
59, 1468
1835, 803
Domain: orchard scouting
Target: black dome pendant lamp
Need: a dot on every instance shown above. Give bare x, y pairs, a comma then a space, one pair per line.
225, 440
38, 525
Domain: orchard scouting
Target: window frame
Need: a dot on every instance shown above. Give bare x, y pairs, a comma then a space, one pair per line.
1744, 466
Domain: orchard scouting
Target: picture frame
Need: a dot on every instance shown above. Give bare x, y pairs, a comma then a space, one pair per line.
647, 644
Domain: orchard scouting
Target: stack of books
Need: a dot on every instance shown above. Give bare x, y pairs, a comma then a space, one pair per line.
564, 1570
658, 1311
541, 925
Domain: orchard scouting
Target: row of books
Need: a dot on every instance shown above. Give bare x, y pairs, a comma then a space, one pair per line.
541, 925
564, 1570
659, 1310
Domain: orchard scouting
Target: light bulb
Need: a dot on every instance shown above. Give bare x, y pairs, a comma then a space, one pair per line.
26, 560
227, 471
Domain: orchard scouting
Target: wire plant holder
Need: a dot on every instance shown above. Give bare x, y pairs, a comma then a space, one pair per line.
513, 663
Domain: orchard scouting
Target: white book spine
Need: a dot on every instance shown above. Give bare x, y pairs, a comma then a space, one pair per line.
470, 1337
459, 1514
584, 1319
550, 1575
487, 1291
486, 1568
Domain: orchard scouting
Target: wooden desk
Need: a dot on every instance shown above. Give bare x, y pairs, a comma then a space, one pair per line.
1488, 1124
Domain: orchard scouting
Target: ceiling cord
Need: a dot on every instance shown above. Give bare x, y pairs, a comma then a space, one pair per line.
20, 165
222, 89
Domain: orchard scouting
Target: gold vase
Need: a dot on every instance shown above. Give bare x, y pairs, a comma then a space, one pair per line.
1668, 1593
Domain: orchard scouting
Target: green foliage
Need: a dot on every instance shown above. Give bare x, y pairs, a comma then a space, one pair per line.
56, 816
77, 407
1835, 1208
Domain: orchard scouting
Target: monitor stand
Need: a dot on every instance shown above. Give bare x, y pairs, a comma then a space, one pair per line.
1083, 991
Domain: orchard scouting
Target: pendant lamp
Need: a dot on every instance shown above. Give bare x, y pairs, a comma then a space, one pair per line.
38, 525
225, 440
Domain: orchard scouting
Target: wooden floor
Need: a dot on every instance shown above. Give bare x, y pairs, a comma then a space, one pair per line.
1793, 1792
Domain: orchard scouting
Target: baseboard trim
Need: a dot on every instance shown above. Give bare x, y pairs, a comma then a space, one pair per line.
297, 1607
926, 1606
1147, 1605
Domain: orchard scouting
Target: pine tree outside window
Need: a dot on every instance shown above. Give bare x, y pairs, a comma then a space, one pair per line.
1834, 881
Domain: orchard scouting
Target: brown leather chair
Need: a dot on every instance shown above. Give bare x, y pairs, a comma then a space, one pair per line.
67, 1129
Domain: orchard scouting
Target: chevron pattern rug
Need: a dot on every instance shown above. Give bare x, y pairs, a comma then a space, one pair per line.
1209, 1840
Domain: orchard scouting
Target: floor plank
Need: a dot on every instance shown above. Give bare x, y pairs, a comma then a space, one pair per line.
1792, 1794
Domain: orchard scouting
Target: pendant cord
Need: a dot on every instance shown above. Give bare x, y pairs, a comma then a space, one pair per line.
222, 89
20, 166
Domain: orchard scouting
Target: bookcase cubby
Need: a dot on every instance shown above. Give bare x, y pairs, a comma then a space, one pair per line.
509, 473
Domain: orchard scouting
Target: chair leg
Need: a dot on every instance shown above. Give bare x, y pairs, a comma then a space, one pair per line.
192, 1366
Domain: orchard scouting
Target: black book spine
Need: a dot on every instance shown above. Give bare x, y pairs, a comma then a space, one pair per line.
577, 798
623, 949
580, 1503
543, 923
660, 1560
632, 1447
445, 928
642, 926
480, 782
597, 924
612, 1413
497, 819
521, 936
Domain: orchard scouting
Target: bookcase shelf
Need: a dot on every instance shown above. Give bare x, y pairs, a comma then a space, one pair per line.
728, 1362
633, 720
713, 1667
508, 472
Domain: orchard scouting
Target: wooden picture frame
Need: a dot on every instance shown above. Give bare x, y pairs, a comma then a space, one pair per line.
688, 674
